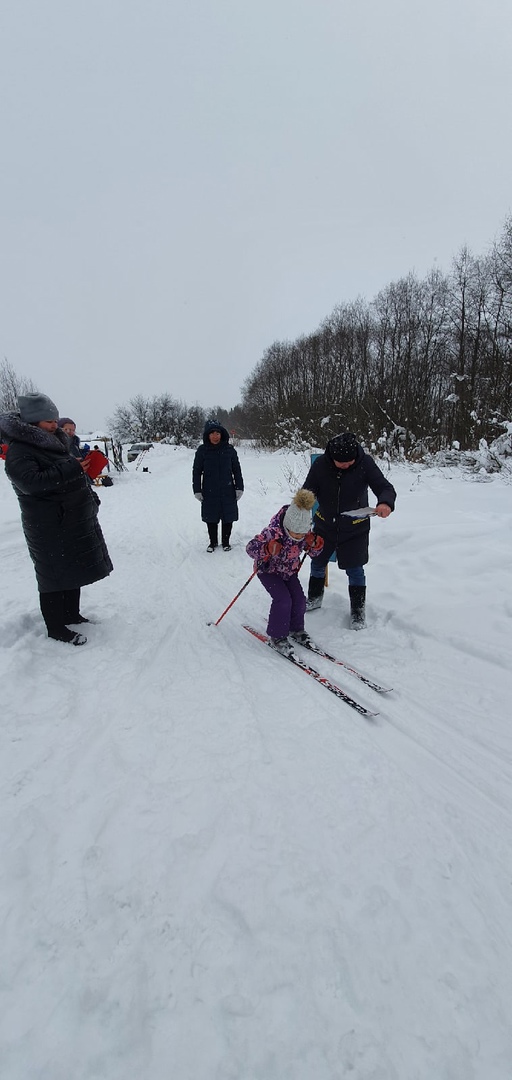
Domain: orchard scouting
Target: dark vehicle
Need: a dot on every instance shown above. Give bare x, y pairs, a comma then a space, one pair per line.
136, 449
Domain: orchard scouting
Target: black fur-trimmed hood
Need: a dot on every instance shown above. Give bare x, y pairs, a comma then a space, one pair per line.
213, 425
16, 430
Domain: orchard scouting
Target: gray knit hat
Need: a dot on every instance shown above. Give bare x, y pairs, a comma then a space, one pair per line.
36, 407
297, 518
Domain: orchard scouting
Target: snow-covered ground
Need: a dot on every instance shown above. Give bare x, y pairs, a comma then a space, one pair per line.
211, 868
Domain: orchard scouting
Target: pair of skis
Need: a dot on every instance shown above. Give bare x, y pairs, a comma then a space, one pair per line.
332, 687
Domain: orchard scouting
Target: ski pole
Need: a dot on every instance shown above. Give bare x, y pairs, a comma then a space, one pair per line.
118, 467
248, 582
249, 579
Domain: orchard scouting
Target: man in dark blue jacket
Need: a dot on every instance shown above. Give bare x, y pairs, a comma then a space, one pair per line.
340, 479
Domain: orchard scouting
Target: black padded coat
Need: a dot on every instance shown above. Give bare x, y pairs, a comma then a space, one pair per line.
346, 489
59, 509
217, 475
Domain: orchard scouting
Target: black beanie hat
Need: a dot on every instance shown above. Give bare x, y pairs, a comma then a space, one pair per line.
343, 447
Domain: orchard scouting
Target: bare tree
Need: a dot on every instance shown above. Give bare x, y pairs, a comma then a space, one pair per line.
11, 385
160, 417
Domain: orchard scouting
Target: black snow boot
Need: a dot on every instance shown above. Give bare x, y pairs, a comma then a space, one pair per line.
68, 636
357, 595
212, 527
315, 593
226, 534
72, 616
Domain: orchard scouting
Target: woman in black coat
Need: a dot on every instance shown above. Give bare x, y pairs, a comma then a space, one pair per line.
340, 479
59, 513
217, 483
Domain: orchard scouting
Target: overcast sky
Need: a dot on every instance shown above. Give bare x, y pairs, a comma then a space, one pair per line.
183, 182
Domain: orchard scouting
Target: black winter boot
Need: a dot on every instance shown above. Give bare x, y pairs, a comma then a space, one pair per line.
55, 608
315, 593
226, 534
213, 533
71, 601
357, 595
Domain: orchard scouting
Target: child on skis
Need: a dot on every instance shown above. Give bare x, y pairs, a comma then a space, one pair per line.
276, 551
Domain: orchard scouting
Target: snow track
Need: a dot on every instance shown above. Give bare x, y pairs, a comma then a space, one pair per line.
213, 871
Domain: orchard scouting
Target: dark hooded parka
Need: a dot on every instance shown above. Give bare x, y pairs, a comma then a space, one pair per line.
346, 489
216, 474
59, 510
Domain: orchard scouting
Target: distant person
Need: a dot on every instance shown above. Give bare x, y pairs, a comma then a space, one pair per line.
276, 551
217, 483
340, 479
69, 428
59, 513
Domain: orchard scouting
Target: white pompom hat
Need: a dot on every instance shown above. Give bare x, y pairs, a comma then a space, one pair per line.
297, 518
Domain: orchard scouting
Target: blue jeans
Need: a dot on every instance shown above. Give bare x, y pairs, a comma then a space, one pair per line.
355, 574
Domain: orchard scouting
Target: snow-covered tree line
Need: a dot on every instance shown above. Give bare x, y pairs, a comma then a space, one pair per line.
426, 365
159, 417
162, 417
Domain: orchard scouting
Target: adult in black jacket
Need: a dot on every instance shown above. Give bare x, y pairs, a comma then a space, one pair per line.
340, 479
59, 513
217, 483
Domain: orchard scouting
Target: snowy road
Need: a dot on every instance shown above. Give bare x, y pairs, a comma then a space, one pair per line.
214, 870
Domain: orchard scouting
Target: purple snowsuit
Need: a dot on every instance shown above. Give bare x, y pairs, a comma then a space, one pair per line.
279, 576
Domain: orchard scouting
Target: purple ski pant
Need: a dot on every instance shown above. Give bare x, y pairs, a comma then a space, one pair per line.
288, 604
